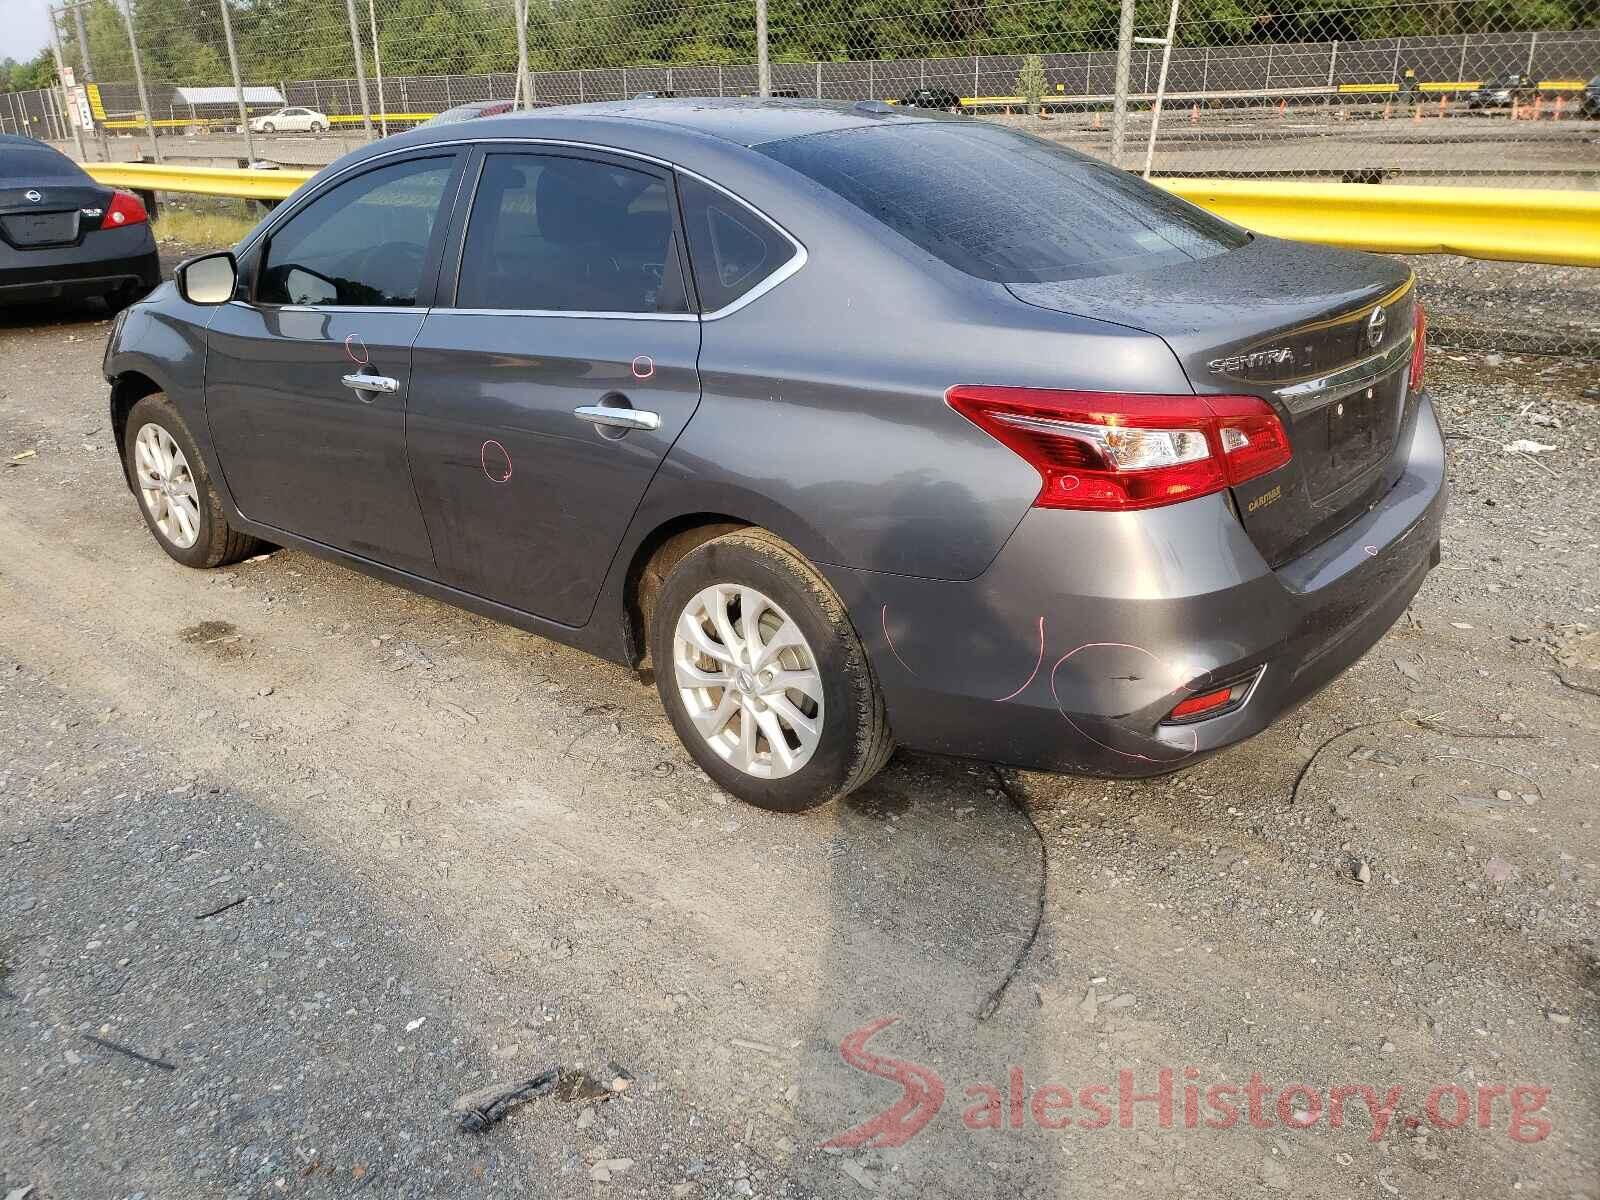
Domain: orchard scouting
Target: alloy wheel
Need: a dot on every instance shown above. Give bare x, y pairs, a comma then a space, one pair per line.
167, 486
749, 680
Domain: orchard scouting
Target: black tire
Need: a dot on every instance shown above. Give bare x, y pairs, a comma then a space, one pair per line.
855, 740
217, 543
318, 128
269, 127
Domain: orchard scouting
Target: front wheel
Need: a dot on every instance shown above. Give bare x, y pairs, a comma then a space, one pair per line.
176, 496
269, 127
764, 677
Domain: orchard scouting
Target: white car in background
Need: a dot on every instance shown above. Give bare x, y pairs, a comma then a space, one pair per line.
290, 120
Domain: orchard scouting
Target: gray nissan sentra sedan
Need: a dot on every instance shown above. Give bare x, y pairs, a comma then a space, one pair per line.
863, 427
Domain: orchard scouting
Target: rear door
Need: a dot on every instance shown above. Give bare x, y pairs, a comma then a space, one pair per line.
553, 376
307, 380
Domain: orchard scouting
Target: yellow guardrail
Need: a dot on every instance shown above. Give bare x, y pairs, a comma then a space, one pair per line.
1511, 224
200, 181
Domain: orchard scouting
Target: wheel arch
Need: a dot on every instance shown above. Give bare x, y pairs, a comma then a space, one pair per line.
654, 557
127, 389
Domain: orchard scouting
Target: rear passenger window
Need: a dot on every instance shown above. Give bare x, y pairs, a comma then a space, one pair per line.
732, 248
569, 235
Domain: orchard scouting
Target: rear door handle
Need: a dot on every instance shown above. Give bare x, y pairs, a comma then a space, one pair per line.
617, 418
372, 383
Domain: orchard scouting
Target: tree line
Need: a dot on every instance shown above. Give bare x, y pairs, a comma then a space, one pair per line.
181, 41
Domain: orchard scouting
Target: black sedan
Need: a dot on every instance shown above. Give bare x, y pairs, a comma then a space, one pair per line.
935, 98
1591, 98
64, 236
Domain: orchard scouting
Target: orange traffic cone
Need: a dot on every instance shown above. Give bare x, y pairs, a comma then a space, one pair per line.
1097, 118
1538, 103
1516, 113
1561, 103
1416, 114
1194, 115
1386, 105
1441, 106
1283, 107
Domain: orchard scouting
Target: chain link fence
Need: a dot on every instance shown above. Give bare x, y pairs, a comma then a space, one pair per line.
1455, 92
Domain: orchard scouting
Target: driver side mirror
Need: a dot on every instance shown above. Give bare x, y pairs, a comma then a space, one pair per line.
208, 278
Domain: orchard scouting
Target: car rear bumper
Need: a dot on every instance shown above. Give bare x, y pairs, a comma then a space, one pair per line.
106, 260
1071, 649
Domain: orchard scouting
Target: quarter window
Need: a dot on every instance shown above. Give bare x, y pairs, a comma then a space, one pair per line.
732, 248
560, 234
362, 243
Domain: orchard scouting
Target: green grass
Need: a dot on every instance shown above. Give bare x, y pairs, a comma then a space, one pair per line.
204, 229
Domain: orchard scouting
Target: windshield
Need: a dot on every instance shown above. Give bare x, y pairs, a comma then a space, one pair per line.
1004, 206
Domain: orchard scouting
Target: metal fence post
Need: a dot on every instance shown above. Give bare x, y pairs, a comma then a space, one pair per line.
524, 84
1461, 63
1161, 88
763, 67
1119, 101
819, 79
361, 69
238, 83
88, 70
138, 78
66, 101
1533, 42
377, 68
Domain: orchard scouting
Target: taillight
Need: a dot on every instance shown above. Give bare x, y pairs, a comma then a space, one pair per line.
1123, 450
1419, 346
126, 209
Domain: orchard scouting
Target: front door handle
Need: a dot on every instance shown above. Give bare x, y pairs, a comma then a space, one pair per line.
372, 383
616, 417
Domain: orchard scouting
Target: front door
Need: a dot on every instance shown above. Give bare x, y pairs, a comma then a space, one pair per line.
544, 397
307, 382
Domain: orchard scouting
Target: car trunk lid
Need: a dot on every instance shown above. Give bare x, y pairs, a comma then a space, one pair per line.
1293, 324
49, 213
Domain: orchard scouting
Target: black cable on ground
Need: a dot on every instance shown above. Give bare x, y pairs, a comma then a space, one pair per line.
992, 1002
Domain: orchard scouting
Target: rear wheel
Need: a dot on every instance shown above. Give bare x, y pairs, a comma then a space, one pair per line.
763, 675
176, 496
318, 127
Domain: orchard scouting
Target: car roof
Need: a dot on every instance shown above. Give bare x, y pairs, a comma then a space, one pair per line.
20, 139
745, 121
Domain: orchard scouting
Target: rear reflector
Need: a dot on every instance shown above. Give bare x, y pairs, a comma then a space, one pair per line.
1126, 450
1195, 705
126, 209
1203, 705
1419, 346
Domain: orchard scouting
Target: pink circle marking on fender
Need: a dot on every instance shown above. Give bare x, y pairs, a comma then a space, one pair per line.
495, 461
356, 349
643, 367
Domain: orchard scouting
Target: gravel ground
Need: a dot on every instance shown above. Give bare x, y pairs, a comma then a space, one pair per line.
464, 854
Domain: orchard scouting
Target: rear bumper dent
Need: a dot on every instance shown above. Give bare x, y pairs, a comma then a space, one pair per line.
1070, 651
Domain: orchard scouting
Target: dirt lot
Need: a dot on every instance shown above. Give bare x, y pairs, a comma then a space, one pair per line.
463, 854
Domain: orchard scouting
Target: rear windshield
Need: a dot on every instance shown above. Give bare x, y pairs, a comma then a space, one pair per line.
1004, 206
26, 164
